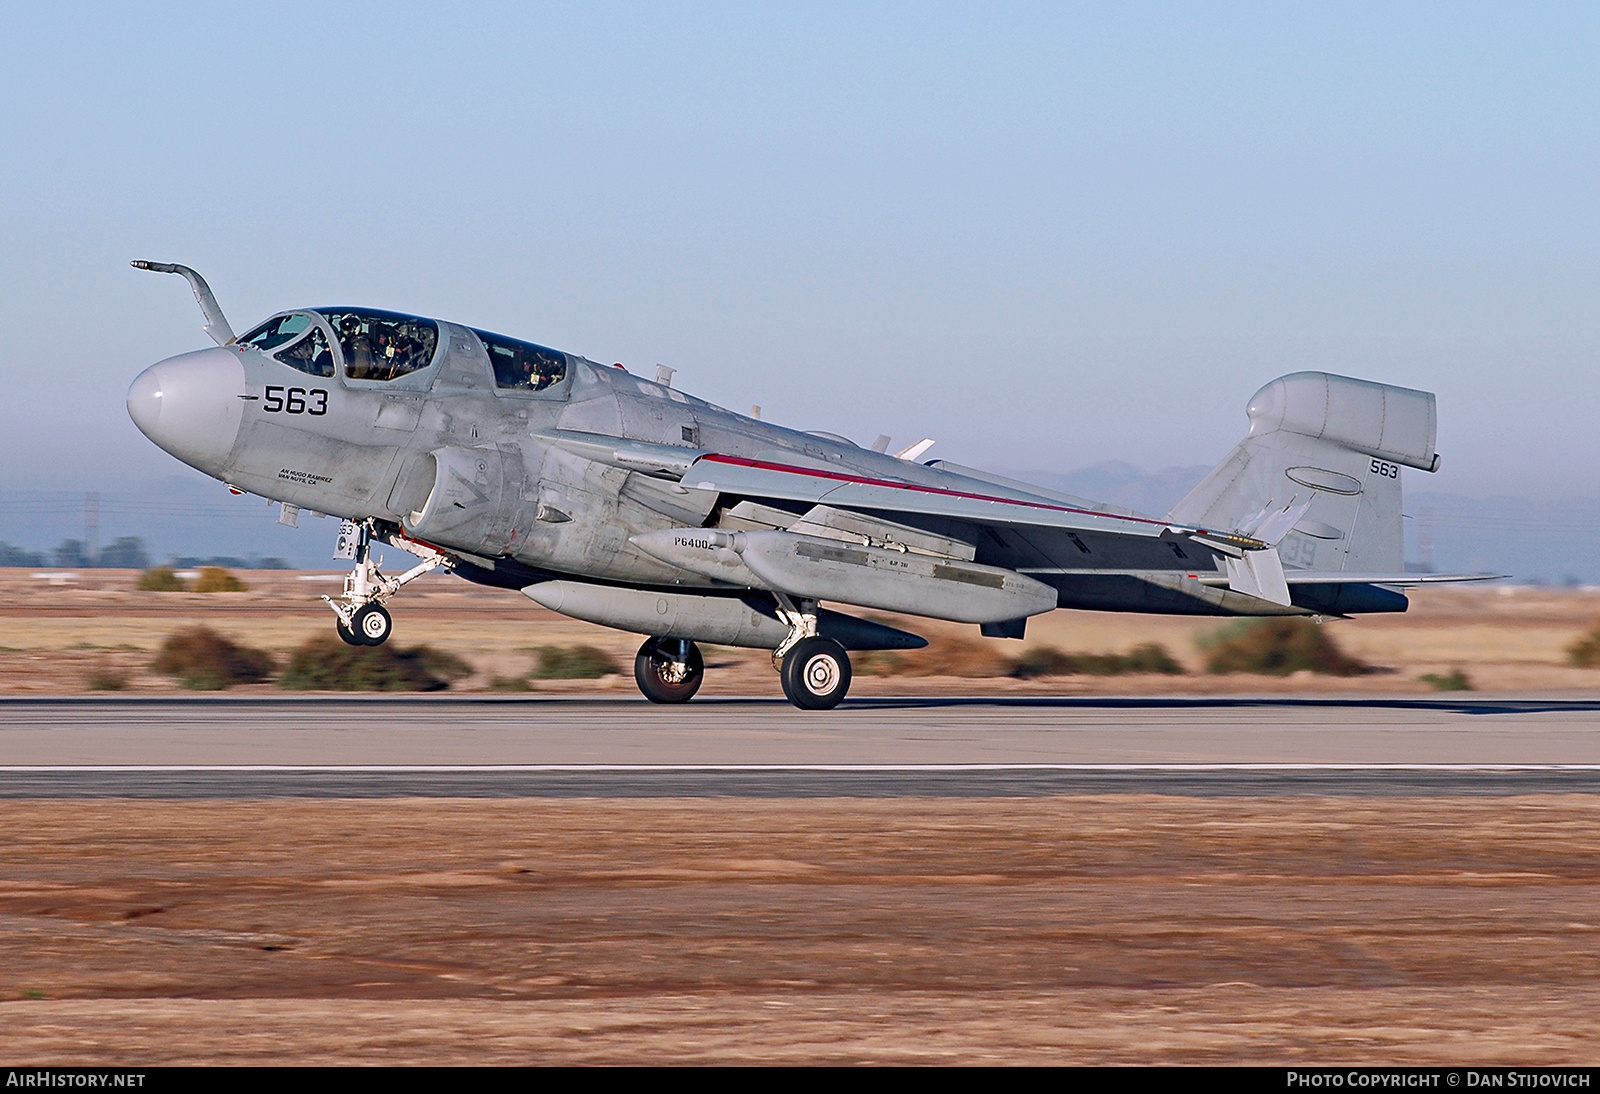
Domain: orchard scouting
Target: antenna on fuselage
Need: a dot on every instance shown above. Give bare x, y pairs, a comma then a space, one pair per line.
216, 322
915, 450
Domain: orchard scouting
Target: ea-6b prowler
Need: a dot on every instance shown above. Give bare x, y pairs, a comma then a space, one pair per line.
626, 502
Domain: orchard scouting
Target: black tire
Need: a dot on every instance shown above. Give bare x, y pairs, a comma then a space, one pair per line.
349, 636
816, 674
656, 667
372, 625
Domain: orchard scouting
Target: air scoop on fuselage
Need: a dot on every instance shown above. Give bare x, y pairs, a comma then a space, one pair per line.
190, 406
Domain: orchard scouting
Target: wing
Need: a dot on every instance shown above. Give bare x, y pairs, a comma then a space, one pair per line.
1005, 526
962, 513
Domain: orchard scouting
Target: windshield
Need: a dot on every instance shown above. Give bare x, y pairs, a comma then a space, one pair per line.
383, 345
276, 331
522, 366
310, 355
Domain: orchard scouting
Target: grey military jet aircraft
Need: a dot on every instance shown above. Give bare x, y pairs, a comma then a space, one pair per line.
625, 502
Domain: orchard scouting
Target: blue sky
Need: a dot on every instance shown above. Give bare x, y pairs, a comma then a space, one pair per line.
1044, 235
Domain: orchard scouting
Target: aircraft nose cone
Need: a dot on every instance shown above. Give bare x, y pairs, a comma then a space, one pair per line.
144, 401
190, 406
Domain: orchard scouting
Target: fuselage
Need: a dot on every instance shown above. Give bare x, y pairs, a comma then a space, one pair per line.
505, 454
309, 409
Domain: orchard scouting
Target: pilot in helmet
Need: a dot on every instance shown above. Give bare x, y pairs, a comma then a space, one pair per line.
357, 349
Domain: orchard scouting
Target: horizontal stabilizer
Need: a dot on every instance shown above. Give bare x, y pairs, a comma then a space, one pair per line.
1341, 577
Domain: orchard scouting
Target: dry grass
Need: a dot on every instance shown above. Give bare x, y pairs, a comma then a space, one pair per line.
1505, 640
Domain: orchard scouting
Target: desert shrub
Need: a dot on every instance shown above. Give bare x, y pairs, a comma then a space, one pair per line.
1044, 661
106, 678
509, 683
327, 664
1454, 680
204, 660
945, 655
1276, 646
1049, 661
215, 579
876, 662
574, 663
1152, 657
1585, 652
161, 579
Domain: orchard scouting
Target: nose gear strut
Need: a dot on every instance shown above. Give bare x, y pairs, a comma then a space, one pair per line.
362, 620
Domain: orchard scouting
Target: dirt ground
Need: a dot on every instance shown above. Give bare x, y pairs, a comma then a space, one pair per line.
1126, 929
54, 636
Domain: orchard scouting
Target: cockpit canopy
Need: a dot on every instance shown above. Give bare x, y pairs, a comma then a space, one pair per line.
374, 345
522, 366
383, 346
378, 345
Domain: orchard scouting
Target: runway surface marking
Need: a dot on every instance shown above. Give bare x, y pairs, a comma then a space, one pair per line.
885, 768
788, 780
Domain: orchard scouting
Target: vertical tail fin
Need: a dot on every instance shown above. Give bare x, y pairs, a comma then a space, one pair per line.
1334, 446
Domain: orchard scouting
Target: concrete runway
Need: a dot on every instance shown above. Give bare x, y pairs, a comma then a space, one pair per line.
363, 747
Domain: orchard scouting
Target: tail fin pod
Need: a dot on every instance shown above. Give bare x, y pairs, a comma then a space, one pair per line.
1336, 442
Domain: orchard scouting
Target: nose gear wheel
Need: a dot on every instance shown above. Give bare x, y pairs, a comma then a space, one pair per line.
372, 625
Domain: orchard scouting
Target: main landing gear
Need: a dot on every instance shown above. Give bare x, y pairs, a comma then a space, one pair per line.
359, 615
815, 674
815, 671
669, 670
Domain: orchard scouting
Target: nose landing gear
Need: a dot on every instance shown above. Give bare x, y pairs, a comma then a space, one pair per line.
359, 615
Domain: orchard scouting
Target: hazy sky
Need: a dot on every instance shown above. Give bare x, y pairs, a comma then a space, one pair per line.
1044, 235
